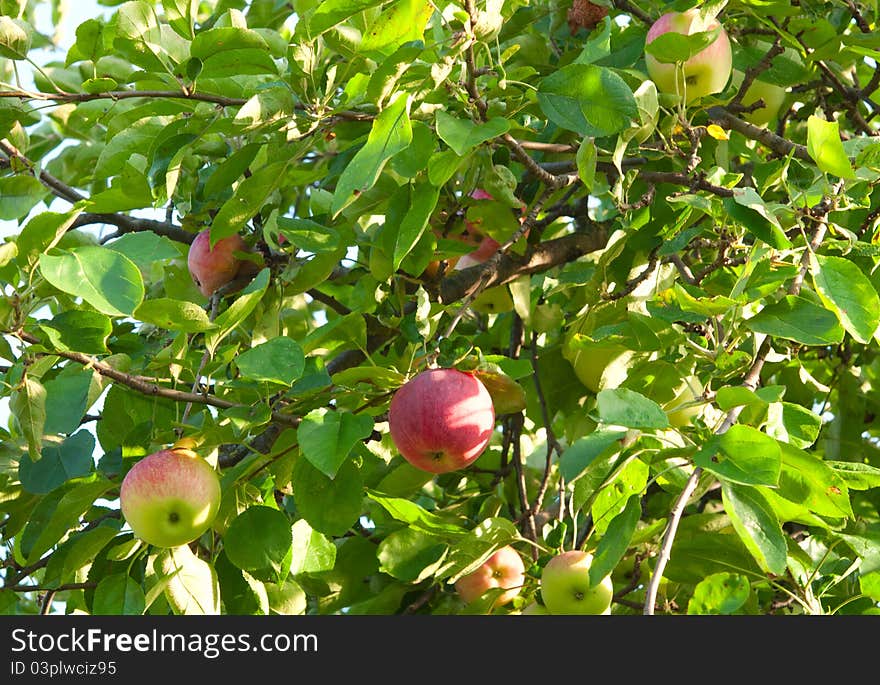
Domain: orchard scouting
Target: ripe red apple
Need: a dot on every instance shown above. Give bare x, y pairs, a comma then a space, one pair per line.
504, 569
705, 73
214, 268
441, 420
565, 586
170, 497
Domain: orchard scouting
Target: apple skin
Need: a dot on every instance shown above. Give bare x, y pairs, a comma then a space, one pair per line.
535, 609
690, 389
565, 586
214, 268
170, 497
772, 95
504, 569
705, 73
441, 420
590, 361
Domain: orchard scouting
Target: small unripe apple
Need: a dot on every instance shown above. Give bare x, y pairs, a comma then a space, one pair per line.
441, 420
212, 268
598, 365
566, 589
170, 497
705, 73
504, 569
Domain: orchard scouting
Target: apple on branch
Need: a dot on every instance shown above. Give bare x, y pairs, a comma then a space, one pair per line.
170, 497
704, 73
504, 570
566, 589
212, 268
768, 93
441, 420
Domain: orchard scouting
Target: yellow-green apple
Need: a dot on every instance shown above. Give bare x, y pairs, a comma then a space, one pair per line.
597, 364
212, 268
684, 406
535, 609
441, 420
770, 94
170, 497
566, 589
504, 570
704, 73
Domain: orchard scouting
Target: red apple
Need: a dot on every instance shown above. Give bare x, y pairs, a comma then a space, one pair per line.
504, 569
212, 268
170, 497
441, 420
705, 73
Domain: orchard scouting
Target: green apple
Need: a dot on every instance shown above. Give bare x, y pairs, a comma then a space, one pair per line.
597, 364
566, 589
705, 73
679, 410
535, 609
772, 96
170, 497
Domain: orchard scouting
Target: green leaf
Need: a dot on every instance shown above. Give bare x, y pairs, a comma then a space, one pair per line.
181, 15
848, 292
753, 215
43, 231
58, 512
857, 476
586, 158
174, 315
193, 588
71, 459
67, 398
408, 215
401, 22
259, 541
462, 135
15, 38
19, 193
419, 519
238, 311
796, 318
793, 423
756, 524
330, 505
78, 331
826, 149
230, 170
145, 247
106, 279
580, 454
671, 47
328, 437
312, 551
117, 595
332, 12
729, 397
720, 593
409, 555
241, 593
28, 406
390, 134
247, 200
743, 455
624, 407
615, 541
279, 360
590, 100
809, 481
309, 235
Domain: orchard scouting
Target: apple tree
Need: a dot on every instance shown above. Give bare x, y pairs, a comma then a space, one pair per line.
657, 257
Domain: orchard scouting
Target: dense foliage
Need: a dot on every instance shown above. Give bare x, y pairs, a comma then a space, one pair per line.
679, 330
